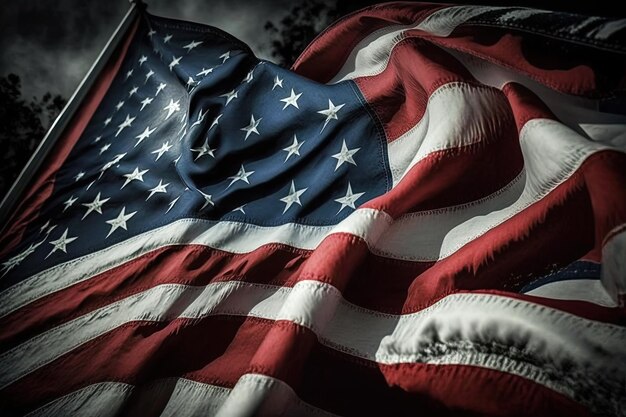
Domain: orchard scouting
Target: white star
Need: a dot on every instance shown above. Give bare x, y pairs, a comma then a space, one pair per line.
278, 82
292, 197
207, 200
225, 56
61, 243
152, 32
148, 75
252, 127
200, 118
107, 121
142, 60
242, 175
171, 108
79, 176
349, 199
345, 155
126, 123
69, 202
161, 188
175, 61
205, 72
132, 91
50, 229
160, 88
192, 45
292, 100
294, 148
136, 175
108, 165
97, 139
95, 205
165, 148
229, 97
105, 148
145, 102
215, 122
93, 182
129, 74
17, 259
45, 226
205, 149
249, 77
191, 82
240, 208
167, 38
330, 113
119, 105
171, 204
119, 221
177, 159
145, 134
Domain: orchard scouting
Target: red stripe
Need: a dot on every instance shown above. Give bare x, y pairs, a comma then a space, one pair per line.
505, 258
399, 95
41, 189
525, 105
219, 350
582, 73
346, 386
325, 56
531, 242
456, 176
190, 264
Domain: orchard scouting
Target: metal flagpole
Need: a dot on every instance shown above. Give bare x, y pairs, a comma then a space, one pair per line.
61, 122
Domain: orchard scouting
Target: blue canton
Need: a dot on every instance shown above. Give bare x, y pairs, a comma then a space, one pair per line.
195, 126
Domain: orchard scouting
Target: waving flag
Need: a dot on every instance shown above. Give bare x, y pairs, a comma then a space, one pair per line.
426, 214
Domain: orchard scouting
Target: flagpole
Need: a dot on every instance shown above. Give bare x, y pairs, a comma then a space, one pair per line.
61, 122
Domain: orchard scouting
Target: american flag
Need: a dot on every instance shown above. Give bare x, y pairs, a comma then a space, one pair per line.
426, 214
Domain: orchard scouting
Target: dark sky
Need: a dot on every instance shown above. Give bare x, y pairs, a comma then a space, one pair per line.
52, 44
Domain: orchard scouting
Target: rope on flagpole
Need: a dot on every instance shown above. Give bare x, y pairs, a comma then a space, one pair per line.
61, 122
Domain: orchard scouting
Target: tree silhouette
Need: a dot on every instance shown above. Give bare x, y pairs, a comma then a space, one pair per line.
24, 123
303, 23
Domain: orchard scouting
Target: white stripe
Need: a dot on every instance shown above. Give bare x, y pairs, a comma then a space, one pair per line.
184, 398
450, 331
578, 113
456, 115
232, 237
436, 234
609, 28
520, 14
614, 264
260, 395
371, 55
444, 21
103, 400
589, 290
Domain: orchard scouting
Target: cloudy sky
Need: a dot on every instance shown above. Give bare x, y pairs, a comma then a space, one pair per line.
51, 45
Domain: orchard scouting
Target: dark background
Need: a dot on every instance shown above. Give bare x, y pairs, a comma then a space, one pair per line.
47, 47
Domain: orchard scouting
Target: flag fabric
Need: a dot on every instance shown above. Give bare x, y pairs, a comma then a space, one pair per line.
426, 214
